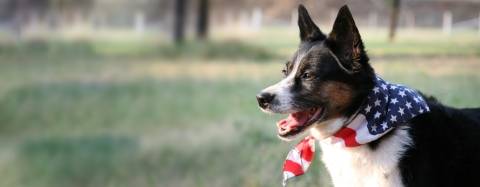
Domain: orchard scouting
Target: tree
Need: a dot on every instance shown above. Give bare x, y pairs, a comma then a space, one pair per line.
202, 19
179, 22
394, 19
20, 17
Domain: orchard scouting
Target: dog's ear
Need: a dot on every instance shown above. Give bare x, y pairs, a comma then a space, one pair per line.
345, 40
308, 30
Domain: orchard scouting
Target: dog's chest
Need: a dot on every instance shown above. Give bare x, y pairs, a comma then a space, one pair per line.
362, 166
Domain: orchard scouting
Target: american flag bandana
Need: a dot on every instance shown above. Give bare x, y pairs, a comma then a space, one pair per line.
387, 105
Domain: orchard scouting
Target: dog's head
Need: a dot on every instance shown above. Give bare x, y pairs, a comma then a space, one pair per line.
327, 77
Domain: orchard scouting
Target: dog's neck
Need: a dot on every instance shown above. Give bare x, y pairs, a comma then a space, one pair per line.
327, 128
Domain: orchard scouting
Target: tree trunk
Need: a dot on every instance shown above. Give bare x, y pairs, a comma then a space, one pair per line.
394, 20
20, 18
179, 22
202, 21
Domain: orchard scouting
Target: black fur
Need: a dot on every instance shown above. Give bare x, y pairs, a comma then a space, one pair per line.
308, 30
445, 150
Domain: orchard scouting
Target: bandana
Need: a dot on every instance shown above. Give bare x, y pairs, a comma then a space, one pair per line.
387, 106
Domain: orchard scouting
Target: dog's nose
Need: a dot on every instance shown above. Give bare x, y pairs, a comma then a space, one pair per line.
264, 99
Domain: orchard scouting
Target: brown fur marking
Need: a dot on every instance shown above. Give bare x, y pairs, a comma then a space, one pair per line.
339, 94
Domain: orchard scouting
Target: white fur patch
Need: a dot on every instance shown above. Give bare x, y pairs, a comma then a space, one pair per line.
361, 166
281, 90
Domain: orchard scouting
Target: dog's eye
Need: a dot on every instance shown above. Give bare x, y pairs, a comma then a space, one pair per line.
307, 76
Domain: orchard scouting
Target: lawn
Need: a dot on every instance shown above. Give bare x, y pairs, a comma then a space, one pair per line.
99, 112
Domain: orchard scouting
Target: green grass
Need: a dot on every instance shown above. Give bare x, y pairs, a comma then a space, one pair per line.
269, 44
68, 161
54, 49
97, 113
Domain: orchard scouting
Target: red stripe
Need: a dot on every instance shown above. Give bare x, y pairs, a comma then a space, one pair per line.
348, 135
305, 150
293, 167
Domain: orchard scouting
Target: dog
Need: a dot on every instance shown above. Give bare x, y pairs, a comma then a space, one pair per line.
327, 82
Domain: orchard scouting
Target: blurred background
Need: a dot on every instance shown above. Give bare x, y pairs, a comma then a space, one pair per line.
162, 92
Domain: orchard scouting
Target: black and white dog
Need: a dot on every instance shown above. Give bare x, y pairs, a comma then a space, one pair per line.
328, 82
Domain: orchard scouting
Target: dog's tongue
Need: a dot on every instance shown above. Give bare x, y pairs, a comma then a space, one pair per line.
293, 120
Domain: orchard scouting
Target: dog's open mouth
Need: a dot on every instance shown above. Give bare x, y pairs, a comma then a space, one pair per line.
298, 122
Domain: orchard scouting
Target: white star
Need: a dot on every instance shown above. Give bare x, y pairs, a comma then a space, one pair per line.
400, 110
377, 102
377, 115
384, 125
420, 111
376, 89
384, 86
393, 87
394, 101
419, 99
393, 118
386, 98
409, 105
402, 93
416, 99
367, 109
374, 128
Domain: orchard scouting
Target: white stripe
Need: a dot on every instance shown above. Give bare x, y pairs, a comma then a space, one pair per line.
294, 156
356, 123
363, 136
305, 164
360, 126
287, 175
359, 122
